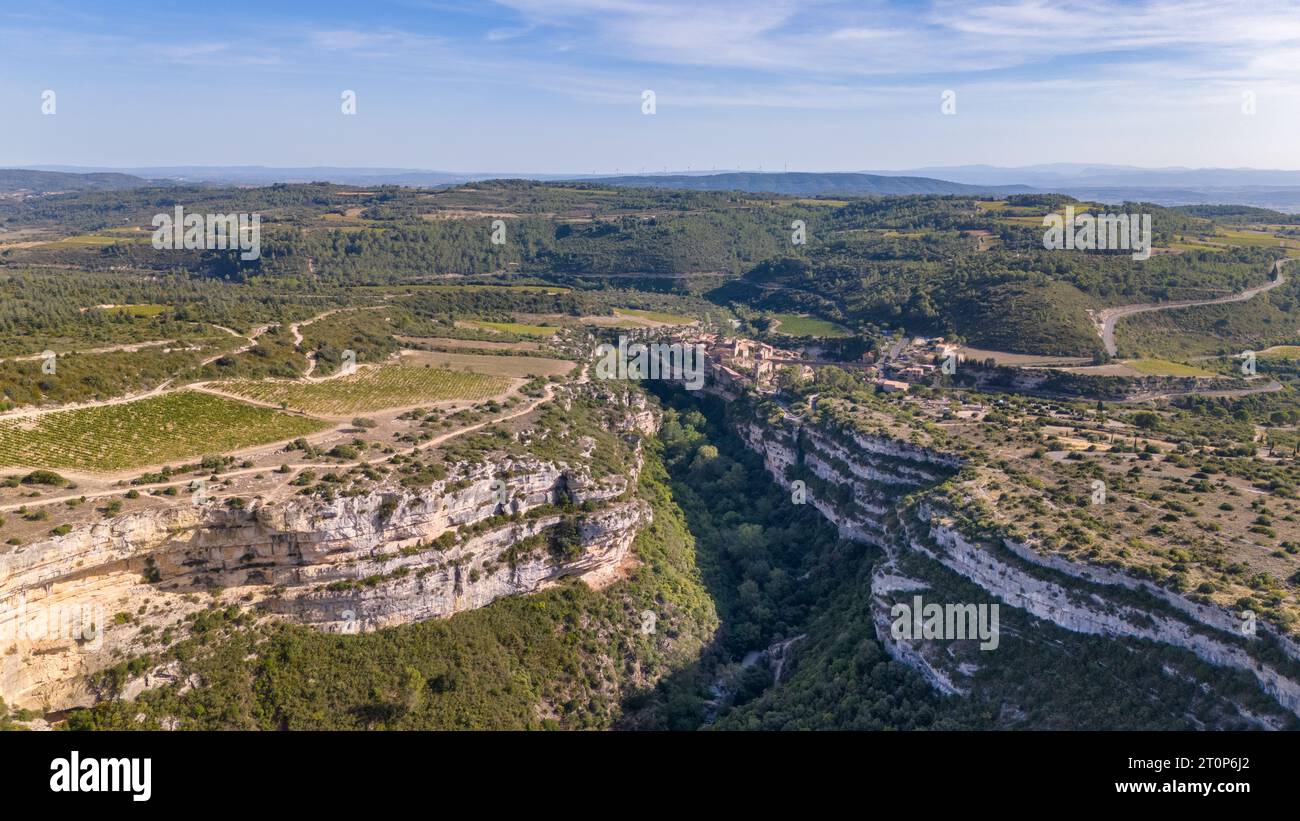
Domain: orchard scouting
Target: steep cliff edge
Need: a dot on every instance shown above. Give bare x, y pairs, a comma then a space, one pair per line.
908, 499
382, 555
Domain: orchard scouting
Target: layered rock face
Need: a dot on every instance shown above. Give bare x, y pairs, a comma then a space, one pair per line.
1210, 633
858, 483
74, 604
413, 584
852, 479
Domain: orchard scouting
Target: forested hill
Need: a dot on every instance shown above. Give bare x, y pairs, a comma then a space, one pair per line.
957, 265
15, 180
808, 184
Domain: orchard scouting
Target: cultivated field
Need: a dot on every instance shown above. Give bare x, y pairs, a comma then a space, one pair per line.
798, 325
1260, 239
655, 317
516, 328
1281, 352
1162, 367
513, 366
448, 342
1019, 360
371, 389
142, 310
150, 431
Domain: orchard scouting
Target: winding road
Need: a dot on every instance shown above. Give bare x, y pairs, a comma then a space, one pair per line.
1105, 319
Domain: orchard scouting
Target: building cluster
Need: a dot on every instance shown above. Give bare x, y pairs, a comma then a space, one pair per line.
737, 362
912, 361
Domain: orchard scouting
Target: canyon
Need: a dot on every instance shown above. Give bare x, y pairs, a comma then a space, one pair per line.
895, 495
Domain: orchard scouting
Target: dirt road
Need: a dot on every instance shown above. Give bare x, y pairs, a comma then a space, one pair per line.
547, 395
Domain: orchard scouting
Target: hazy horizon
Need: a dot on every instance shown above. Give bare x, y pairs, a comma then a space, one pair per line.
93, 168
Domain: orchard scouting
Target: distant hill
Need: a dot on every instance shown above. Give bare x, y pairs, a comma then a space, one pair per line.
258, 175
1263, 188
792, 183
16, 181
1054, 175
1239, 213
1278, 189
809, 184
1278, 198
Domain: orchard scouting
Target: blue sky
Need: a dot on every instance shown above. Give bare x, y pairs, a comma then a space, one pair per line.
555, 85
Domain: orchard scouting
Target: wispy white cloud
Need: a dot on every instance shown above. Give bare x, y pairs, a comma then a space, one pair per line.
825, 37
498, 35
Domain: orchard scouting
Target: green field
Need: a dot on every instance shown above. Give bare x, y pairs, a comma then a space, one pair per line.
1281, 352
656, 316
517, 328
152, 431
143, 310
102, 239
84, 241
1259, 239
371, 389
797, 325
1184, 243
470, 287
1162, 367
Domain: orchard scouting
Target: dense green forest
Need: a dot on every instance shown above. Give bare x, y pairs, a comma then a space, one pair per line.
1016, 297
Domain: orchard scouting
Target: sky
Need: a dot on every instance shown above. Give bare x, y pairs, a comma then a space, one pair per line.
557, 86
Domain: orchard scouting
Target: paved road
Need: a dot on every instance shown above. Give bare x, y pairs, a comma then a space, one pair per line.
1107, 317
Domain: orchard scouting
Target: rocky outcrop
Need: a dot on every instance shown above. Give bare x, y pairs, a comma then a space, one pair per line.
1204, 631
858, 482
409, 586
74, 604
860, 477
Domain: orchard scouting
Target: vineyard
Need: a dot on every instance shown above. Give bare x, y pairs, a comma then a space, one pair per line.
371, 389
151, 431
517, 328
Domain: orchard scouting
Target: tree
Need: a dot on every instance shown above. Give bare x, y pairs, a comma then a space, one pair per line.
413, 687
833, 378
788, 377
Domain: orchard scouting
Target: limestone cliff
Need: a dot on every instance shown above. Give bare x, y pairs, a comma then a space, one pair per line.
883, 491
74, 604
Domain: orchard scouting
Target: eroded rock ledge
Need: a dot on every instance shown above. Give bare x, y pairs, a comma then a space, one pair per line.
869, 486
74, 604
